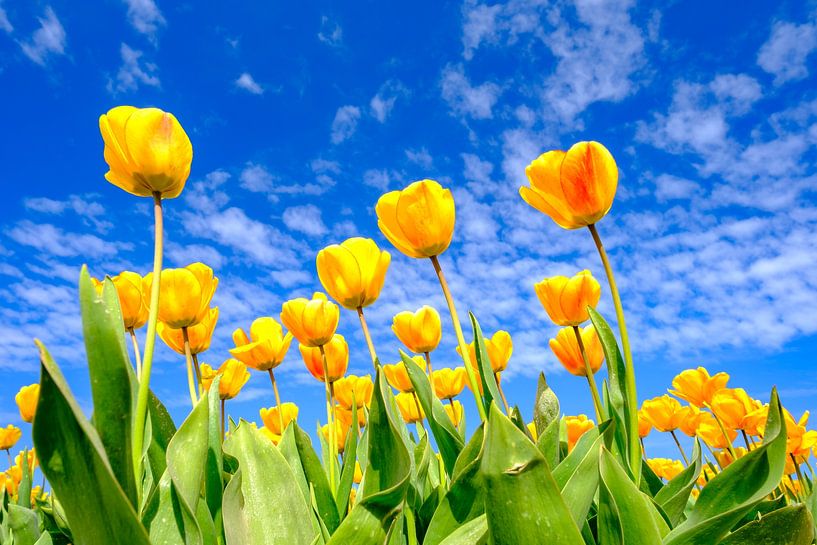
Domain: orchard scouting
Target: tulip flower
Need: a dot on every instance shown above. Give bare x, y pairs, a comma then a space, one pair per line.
276, 419
132, 301
732, 405
313, 322
711, 433
419, 331
644, 425
398, 377
665, 468
147, 151
409, 408
350, 386
358, 476
184, 294
455, 412
697, 387
566, 349
689, 418
575, 427
345, 416
337, 359
339, 439
448, 382
499, 348
27, 399
266, 346
725, 457
234, 376
419, 220
663, 412
9, 437
199, 335
353, 271
755, 422
566, 299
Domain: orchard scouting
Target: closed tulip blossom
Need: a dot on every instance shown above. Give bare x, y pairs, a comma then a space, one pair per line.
663, 412
690, 417
27, 399
455, 412
339, 437
147, 151
566, 349
354, 387
409, 408
644, 425
276, 417
199, 335
337, 359
9, 437
697, 386
419, 331
234, 376
184, 294
132, 299
345, 416
566, 299
397, 375
265, 347
499, 348
448, 382
353, 271
312, 321
575, 427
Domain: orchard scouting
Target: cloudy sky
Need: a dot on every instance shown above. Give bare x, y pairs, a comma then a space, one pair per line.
302, 117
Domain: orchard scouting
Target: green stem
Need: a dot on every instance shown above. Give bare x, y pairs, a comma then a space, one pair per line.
330, 413
588, 372
430, 373
629, 375
188, 358
678, 444
150, 342
368, 337
502, 395
469, 371
277, 400
136, 355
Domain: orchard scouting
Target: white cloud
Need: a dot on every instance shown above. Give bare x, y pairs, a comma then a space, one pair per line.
345, 123
5, 24
330, 33
305, 219
133, 72
785, 53
668, 187
181, 255
420, 157
53, 240
256, 178
466, 99
47, 40
377, 178
245, 81
145, 17
382, 103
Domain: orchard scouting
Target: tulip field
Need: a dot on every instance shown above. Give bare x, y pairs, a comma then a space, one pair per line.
392, 462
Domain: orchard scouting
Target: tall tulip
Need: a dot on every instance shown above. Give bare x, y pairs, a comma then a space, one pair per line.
26, 400
398, 376
575, 427
579, 350
354, 388
666, 415
312, 321
566, 299
199, 335
9, 437
276, 419
499, 347
697, 386
420, 332
448, 382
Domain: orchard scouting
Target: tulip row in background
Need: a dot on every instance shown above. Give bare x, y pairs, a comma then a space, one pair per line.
130, 476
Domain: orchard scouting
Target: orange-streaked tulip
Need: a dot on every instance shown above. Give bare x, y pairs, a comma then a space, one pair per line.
360, 388
353, 271
455, 412
566, 349
575, 188
697, 387
337, 358
499, 348
272, 417
420, 331
312, 321
27, 399
147, 151
234, 376
419, 220
644, 425
397, 375
665, 468
663, 412
9, 437
266, 346
448, 382
341, 431
710, 432
732, 405
199, 335
411, 410
575, 427
566, 299
690, 417
184, 294
132, 301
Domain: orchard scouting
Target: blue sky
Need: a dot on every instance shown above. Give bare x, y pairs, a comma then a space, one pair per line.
300, 117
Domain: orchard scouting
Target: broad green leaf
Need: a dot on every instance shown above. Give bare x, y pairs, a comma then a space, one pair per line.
448, 439
24, 525
674, 496
744, 483
792, 525
474, 532
316, 477
571, 462
546, 409
74, 462
347, 472
514, 470
579, 489
214, 482
486, 372
548, 443
289, 450
162, 429
109, 367
45, 539
262, 503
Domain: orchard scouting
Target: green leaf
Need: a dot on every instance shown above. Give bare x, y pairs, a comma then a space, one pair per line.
744, 483
582, 475
109, 367
490, 388
448, 439
515, 471
162, 429
548, 443
213, 479
474, 532
24, 525
792, 525
263, 504
546, 409
24, 490
316, 477
74, 462
347, 473
674, 496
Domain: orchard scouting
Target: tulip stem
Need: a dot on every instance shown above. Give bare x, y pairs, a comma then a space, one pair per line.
629, 375
368, 337
150, 342
197, 368
746, 439
678, 444
729, 446
330, 413
136, 355
223, 417
591, 380
419, 410
188, 358
277, 400
502, 395
469, 371
430, 373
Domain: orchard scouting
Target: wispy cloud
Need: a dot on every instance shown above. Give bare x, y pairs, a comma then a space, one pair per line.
465, 99
345, 123
330, 33
46, 41
246, 82
383, 102
785, 53
305, 219
145, 17
133, 72
5, 24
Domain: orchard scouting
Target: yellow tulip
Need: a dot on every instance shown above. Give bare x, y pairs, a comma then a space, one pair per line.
184, 294
420, 331
575, 427
9, 437
725, 458
566, 299
409, 408
707, 474
499, 348
688, 420
132, 301
455, 412
360, 388
697, 387
448, 382
345, 416
732, 405
337, 358
268, 434
644, 425
353, 271
566, 349
710, 432
272, 417
755, 421
575, 188
313, 322
358, 476
147, 151
341, 431
266, 346
397, 375
27, 399
419, 220
199, 335
665, 468
663, 412
234, 376
533, 431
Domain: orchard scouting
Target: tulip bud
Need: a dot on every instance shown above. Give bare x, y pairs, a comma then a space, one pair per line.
27, 399
499, 348
697, 387
566, 299
644, 426
575, 188
341, 431
132, 300
397, 375
665, 468
184, 294
199, 335
337, 358
266, 347
350, 386
9, 437
409, 408
575, 427
419, 220
313, 322
567, 351
420, 331
455, 412
272, 421
448, 382
353, 272
147, 151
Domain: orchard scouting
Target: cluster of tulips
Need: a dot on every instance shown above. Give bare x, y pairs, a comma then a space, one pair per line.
211, 481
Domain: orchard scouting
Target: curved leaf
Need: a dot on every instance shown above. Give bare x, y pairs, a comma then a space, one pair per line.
790, 525
490, 390
546, 409
316, 477
674, 496
474, 532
